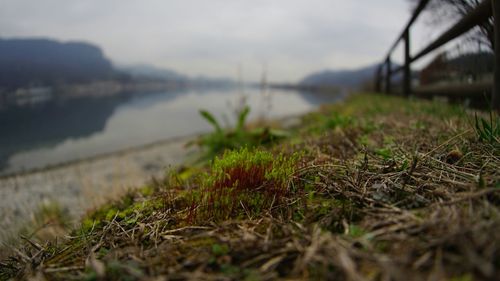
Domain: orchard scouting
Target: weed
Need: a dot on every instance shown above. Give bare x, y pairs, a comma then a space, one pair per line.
49, 222
385, 153
220, 249
488, 130
321, 122
337, 120
224, 139
52, 212
355, 231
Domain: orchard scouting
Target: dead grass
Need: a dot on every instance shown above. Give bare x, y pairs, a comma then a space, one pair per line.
403, 190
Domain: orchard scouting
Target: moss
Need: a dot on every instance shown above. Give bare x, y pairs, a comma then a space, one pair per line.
244, 183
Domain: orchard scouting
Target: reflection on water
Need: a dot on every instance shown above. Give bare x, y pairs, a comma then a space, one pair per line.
63, 131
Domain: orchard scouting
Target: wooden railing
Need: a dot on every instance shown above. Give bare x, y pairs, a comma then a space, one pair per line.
479, 15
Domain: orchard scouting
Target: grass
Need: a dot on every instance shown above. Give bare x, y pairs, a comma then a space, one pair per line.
488, 130
375, 188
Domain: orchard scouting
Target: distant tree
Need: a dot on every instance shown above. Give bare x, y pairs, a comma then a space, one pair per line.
442, 11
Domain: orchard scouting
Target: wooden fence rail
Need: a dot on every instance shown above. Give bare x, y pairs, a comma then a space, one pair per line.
479, 15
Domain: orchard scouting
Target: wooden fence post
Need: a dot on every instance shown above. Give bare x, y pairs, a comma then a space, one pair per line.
388, 75
378, 79
495, 95
407, 69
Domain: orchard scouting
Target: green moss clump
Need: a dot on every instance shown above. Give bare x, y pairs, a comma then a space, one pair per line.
243, 183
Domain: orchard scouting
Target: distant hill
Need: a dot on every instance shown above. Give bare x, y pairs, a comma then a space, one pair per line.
340, 78
44, 62
149, 72
35, 62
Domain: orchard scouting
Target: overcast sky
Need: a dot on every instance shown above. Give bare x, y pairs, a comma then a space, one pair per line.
212, 37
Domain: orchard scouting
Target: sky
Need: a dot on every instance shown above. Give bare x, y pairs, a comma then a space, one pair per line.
288, 38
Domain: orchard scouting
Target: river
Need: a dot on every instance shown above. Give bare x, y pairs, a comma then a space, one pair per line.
60, 131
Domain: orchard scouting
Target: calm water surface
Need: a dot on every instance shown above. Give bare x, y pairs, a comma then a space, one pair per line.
58, 132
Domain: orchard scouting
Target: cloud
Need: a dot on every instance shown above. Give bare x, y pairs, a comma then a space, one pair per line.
293, 37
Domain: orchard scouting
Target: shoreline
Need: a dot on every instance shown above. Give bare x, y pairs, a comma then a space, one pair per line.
136, 148
284, 121
83, 184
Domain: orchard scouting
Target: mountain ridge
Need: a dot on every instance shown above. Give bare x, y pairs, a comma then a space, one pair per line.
46, 62
345, 78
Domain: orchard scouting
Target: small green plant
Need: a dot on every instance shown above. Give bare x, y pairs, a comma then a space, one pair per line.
322, 122
48, 222
488, 130
355, 231
337, 120
220, 249
243, 182
218, 140
51, 212
384, 152
222, 139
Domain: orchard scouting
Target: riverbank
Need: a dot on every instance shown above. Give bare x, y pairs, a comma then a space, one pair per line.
375, 188
81, 185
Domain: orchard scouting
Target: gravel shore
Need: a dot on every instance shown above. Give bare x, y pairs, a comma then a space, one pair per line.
82, 185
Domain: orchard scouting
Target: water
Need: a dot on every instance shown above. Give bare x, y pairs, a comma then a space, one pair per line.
61, 131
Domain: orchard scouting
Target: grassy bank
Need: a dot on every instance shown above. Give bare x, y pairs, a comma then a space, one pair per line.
376, 188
